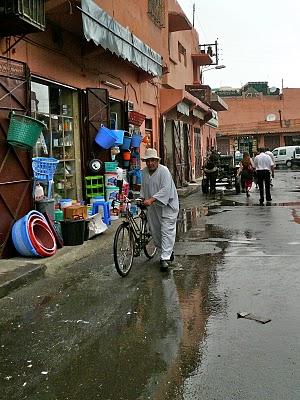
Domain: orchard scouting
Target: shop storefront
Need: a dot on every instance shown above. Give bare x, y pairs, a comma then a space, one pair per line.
57, 107
291, 140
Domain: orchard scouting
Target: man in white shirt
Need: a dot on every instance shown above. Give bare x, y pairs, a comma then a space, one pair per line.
160, 194
264, 168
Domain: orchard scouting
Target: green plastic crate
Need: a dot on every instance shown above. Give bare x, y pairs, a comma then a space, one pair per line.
94, 186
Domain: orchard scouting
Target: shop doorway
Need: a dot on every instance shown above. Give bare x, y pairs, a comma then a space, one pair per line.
197, 144
187, 151
15, 164
178, 155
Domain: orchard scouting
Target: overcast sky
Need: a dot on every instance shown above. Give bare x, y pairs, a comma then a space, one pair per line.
259, 40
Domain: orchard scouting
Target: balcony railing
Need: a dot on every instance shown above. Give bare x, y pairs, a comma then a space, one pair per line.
212, 50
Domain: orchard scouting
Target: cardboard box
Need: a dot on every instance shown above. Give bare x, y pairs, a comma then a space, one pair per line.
75, 212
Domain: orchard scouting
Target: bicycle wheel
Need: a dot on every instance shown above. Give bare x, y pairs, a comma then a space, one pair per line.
123, 249
149, 247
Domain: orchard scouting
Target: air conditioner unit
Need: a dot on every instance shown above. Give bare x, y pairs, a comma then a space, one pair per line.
21, 17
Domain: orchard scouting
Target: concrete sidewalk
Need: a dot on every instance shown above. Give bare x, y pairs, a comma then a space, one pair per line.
18, 271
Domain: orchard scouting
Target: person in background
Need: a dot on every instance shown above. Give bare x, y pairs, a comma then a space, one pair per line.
254, 172
160, 196
211, 170
267, 151
246, 172
264, 168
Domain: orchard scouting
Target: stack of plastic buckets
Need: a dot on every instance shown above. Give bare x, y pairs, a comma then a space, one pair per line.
33, 237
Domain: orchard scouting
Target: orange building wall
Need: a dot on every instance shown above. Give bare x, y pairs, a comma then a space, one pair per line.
241, 110
248, 117
66, 65
253, 110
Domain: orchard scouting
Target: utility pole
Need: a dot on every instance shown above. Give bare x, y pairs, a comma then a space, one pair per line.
193, 15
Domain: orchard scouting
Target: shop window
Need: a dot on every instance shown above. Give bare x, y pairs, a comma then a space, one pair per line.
116, 114
156, 11
148, 132
181, 54
54, 105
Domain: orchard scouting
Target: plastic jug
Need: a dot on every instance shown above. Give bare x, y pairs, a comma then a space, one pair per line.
38, 192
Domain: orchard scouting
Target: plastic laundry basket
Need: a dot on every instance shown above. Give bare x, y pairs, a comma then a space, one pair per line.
24, 131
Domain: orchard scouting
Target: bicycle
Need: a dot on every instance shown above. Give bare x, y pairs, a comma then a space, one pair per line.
132, 237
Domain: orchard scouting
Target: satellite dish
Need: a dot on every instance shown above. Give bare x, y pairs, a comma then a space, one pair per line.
271, 117
273, 89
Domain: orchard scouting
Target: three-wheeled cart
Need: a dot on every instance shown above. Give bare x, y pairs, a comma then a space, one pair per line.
226, 176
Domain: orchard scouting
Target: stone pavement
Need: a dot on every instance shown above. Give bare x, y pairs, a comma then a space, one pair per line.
18, 271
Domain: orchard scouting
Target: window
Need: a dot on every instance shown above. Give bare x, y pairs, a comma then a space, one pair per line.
54, 105
282, 152
156, 10
149, 132
181, 54
275, 152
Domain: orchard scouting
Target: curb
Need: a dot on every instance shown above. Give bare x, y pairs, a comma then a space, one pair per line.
188, 190
20, 276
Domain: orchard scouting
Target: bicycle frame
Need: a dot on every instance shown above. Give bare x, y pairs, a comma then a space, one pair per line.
140, 239
132, 237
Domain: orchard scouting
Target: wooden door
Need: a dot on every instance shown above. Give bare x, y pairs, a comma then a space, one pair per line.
187, 152
197, 144
178, 159
95, 112
15, 164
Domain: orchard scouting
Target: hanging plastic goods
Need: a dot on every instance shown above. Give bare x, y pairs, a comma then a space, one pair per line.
114, 151
120, 173
38, 192
126, 155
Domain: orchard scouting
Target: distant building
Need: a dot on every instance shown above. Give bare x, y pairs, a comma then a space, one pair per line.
258, 116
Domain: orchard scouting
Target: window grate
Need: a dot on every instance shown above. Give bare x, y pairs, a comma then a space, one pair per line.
156, 10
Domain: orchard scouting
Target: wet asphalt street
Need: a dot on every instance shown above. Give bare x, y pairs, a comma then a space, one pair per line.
86, 333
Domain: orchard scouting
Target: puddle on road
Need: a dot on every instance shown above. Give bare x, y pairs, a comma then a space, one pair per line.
233, 203
192, 227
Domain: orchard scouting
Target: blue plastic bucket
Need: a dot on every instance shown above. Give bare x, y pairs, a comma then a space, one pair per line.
119, 136
105, 138
20, 235
136, 140
126, 143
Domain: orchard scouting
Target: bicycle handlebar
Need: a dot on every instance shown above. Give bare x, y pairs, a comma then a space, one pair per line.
139, 201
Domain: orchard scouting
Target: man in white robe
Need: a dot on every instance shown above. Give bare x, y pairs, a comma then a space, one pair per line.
160, 194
